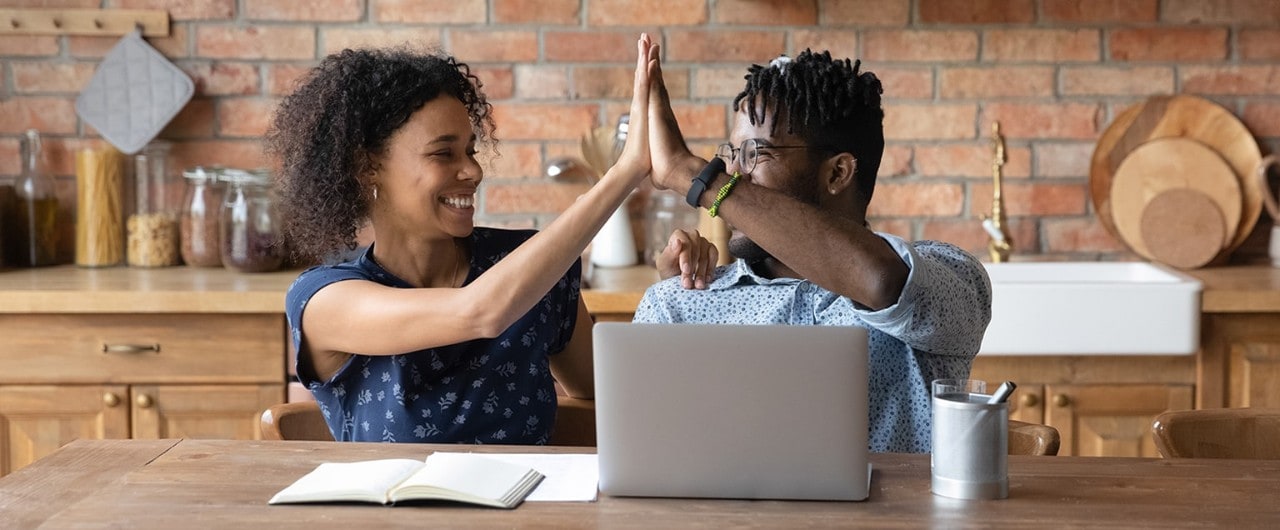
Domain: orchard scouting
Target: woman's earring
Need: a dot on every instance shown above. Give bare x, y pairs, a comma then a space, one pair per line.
375, 192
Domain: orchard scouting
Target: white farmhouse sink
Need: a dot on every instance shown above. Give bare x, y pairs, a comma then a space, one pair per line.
1091, 308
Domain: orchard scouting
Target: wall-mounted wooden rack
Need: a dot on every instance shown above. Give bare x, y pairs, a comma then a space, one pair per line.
99, 22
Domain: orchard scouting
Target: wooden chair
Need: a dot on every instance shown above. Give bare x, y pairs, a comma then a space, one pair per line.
1247, 433
1033, 439
300, 420
575, 422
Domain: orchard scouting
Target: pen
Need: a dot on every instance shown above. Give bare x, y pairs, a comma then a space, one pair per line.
1002, 393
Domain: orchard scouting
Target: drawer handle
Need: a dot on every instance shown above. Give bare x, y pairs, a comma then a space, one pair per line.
110, 399
144, 401
1030, 400
130, 348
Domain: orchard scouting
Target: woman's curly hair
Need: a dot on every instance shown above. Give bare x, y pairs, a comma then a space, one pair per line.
328, 133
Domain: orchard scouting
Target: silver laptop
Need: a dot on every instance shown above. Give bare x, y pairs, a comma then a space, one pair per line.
742, 412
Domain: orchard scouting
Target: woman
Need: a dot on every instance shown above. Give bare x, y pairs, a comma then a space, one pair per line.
440, 331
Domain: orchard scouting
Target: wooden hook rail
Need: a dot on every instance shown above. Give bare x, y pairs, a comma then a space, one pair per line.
99, 22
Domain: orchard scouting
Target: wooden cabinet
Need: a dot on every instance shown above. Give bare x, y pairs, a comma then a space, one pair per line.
1240, 360
69, 376
1101, 406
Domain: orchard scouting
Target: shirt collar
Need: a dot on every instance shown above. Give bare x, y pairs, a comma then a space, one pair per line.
740, 273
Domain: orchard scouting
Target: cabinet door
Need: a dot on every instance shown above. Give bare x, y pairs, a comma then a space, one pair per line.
1254, 368
1110, 420
202, 411
1027, 404
36, 420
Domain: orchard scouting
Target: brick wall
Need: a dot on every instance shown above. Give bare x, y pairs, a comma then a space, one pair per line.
1054, 72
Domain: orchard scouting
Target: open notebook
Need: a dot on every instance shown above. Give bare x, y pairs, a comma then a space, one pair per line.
459, 477
747, 412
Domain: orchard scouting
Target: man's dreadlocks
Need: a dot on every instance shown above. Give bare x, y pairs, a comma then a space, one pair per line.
827, 102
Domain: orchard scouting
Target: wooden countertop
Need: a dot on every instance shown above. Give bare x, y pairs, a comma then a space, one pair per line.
226, 484
70, 289
1243, 289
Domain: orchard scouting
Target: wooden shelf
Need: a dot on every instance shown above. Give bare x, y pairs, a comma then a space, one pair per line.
92, 22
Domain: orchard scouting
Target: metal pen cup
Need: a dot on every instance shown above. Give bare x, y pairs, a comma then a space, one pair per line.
970, 441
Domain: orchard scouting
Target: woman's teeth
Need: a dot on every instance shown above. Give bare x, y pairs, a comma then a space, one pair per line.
465, 201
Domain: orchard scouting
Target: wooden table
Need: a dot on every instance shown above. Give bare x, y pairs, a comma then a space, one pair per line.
212, 484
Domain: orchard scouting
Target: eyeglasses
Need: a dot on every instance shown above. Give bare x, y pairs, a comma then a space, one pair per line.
749, 150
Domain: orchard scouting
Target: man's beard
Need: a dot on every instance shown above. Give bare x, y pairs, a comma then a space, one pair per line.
742, 247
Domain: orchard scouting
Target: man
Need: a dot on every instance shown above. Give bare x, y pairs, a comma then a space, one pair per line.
797, 177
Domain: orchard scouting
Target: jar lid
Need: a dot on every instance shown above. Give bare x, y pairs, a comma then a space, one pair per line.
240, 176
200, 173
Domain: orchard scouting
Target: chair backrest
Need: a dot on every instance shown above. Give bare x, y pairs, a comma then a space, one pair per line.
575, 422
295, 421
1033, 439
1218, 433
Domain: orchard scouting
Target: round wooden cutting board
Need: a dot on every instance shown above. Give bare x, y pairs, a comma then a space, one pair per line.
1171, 117
1166, 164
1183, 228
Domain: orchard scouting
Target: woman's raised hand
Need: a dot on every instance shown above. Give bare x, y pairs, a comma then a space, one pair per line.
635, 160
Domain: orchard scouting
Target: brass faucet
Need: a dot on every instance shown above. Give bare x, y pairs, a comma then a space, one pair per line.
1001, 244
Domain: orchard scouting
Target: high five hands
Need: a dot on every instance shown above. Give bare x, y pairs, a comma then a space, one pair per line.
687, 254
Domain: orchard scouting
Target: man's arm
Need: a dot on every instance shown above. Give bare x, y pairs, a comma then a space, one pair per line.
836, 253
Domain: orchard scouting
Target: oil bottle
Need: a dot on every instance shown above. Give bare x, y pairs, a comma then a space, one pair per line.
34, 227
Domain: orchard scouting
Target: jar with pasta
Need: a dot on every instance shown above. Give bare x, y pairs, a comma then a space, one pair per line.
250, 229
200, 211
153, 226
99, 207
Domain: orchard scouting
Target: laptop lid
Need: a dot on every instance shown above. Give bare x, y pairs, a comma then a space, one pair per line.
744, 412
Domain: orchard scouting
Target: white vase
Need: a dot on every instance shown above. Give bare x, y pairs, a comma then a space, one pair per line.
614, 246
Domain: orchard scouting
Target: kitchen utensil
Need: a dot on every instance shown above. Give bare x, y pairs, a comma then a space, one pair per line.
1170, 163
615, 244
1273, 247
570, 170
597, 149
1268, 198
1178, 116
1183, 228
134, 93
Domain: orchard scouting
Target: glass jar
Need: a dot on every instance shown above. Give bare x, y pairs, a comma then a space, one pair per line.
250, 230
153, 226
667, 211
200, 212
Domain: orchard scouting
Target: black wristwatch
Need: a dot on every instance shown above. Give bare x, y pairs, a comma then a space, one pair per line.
700, 183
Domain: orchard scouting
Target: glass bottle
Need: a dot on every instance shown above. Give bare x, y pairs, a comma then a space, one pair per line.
251, 236
8, 205
153, 226
200, 212
35, 231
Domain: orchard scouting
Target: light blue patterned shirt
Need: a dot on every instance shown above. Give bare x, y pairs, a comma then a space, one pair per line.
932, 332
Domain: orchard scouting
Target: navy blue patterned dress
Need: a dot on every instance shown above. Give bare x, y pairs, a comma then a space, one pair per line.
932, 332
496, 390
